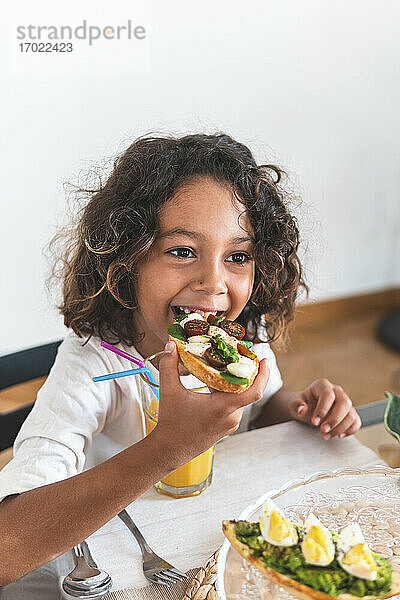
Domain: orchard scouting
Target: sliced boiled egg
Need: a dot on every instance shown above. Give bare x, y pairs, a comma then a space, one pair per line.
317, 547
354, 555
275, 527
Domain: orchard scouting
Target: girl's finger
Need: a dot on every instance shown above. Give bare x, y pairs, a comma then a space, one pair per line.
322, 390
354, 427
341, 427
302, 410
339, 411
299, 409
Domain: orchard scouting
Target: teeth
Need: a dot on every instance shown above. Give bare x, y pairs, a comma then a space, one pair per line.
205, 314
185, 310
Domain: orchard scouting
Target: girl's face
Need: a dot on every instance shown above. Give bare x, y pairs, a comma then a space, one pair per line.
202, 259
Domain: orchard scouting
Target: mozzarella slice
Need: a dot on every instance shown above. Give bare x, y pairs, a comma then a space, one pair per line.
199, 339
225, 336
192, 317
243, 368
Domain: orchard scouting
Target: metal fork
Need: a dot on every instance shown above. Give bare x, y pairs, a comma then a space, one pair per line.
155, 568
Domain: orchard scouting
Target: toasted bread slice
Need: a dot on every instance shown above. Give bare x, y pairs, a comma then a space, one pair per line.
207, 374
304, 592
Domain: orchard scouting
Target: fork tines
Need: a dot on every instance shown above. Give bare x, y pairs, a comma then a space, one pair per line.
167, 576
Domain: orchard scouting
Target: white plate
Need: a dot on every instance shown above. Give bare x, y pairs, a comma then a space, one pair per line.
370, 496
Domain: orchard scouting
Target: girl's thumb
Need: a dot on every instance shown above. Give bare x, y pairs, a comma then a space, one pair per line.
168, 368
169, 347
300, 409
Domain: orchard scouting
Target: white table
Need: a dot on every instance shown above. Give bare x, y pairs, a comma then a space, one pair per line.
187, 531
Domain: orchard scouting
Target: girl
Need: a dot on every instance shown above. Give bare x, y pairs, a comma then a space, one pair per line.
193, 223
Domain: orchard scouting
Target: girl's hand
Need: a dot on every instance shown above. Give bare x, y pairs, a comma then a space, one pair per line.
192, 422
326, 405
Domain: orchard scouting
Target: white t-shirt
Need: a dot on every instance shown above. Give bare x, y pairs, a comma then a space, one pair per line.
76, 424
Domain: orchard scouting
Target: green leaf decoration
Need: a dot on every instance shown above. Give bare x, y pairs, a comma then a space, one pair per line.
392, 415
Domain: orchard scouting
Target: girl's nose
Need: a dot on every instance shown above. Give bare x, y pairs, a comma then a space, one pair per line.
210, 280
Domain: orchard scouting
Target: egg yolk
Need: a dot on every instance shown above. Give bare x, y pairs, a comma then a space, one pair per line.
360, 555
316, 546
279, 527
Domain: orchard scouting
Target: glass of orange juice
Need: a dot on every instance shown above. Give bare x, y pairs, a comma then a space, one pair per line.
190, 479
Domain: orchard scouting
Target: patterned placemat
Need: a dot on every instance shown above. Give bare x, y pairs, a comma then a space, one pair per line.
202, 586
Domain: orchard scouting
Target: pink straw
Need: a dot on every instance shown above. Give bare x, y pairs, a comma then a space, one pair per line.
133, 359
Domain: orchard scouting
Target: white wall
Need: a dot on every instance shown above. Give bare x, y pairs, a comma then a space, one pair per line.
310, 84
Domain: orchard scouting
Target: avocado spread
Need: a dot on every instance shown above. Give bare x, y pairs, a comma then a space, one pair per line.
290, 561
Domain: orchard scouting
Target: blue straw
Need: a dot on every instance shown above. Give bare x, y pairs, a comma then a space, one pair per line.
124, 374
151, 380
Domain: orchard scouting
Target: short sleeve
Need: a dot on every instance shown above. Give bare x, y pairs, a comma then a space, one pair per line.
274, 384
37, 461
69, 410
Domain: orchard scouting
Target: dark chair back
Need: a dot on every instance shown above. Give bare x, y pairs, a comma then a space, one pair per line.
20, 367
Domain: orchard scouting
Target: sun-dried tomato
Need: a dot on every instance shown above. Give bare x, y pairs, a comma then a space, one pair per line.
246, 351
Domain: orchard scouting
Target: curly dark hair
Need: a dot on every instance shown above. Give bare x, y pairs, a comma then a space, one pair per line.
119, 223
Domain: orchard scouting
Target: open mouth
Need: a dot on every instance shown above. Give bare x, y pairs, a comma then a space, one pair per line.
186, 310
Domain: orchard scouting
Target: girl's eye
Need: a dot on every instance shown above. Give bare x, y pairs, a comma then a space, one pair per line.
181, 252
239, 258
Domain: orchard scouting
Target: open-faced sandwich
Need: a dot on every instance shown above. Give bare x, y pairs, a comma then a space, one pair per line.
311, 561
213, 350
